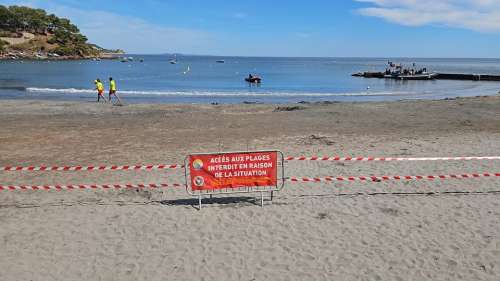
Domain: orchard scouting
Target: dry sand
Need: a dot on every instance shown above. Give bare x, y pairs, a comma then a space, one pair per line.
310, 232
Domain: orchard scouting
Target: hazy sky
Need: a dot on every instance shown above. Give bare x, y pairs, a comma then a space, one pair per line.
353, 28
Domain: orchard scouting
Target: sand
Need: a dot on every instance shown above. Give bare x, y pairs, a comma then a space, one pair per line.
443, 230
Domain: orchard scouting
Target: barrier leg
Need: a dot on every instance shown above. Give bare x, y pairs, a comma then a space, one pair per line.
262, 199
199, 202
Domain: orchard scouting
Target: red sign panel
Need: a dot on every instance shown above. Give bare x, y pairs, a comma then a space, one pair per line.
233, 170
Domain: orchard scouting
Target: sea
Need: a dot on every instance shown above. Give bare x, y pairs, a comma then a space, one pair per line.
203, 80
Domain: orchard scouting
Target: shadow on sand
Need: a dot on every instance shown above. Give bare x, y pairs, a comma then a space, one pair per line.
220, 202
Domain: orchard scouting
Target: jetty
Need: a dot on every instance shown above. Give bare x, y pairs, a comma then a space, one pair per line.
473, 77
437, 76
402, 72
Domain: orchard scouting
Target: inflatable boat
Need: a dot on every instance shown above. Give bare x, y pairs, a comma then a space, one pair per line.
255, 80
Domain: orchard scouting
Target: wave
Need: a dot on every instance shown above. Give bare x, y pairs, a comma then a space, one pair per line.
217, 93
62, 91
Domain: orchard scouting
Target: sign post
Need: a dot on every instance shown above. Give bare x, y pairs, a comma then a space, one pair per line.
234, 172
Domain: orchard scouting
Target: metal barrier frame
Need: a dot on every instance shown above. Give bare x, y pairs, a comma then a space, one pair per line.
280, 169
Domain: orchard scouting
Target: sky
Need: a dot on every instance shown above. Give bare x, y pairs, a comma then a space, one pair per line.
314, 28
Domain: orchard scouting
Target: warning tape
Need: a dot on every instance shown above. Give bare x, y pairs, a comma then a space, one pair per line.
389, 178
92, 168
93, 186
292, 179
387, 159
176, 166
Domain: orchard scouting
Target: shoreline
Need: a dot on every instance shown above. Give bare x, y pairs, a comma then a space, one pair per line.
16, 56
22, 93
89, 99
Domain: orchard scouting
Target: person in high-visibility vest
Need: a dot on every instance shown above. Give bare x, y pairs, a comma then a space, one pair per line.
112, 89
100, 90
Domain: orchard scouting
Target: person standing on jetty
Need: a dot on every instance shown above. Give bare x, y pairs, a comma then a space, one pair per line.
112, 90
100, 90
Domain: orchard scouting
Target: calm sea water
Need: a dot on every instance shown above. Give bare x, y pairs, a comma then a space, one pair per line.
199, 79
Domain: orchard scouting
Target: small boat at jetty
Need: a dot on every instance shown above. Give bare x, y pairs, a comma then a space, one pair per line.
422, 76
399, 72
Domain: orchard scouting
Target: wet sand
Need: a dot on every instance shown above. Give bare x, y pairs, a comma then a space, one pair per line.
442, 230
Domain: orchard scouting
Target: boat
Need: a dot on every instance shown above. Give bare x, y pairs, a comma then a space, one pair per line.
40, 56
423, 76
393, 75
253, 80
173, 60
220, 61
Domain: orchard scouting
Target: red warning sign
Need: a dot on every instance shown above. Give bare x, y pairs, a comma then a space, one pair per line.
233, 170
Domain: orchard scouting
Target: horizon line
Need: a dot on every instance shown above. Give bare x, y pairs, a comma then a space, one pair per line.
304, 57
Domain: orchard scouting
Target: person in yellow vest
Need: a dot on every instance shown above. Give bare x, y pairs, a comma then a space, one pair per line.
112, 90
100, 90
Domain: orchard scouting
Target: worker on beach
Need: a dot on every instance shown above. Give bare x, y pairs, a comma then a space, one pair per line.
112, 90
100, 90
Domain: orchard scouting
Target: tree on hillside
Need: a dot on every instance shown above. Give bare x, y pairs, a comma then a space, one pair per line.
59, 30
35, 20
6, 18
3, 45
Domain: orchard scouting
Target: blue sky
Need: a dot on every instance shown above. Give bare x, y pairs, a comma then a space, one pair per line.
345, 28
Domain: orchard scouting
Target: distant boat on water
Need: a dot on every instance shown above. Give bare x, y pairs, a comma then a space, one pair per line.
253, 79
127, 59
174, 60
220, 61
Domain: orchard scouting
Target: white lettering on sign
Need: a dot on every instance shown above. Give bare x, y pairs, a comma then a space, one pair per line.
240, 166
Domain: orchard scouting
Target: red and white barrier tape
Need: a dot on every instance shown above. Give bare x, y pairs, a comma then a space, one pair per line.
293, 179
388, 178
94, 186
175, 166
387, 159
92, 168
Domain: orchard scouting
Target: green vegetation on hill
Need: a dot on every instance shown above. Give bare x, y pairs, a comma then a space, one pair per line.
3, 45
54, 34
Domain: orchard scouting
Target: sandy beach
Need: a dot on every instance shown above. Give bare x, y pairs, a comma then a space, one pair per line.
407, 230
